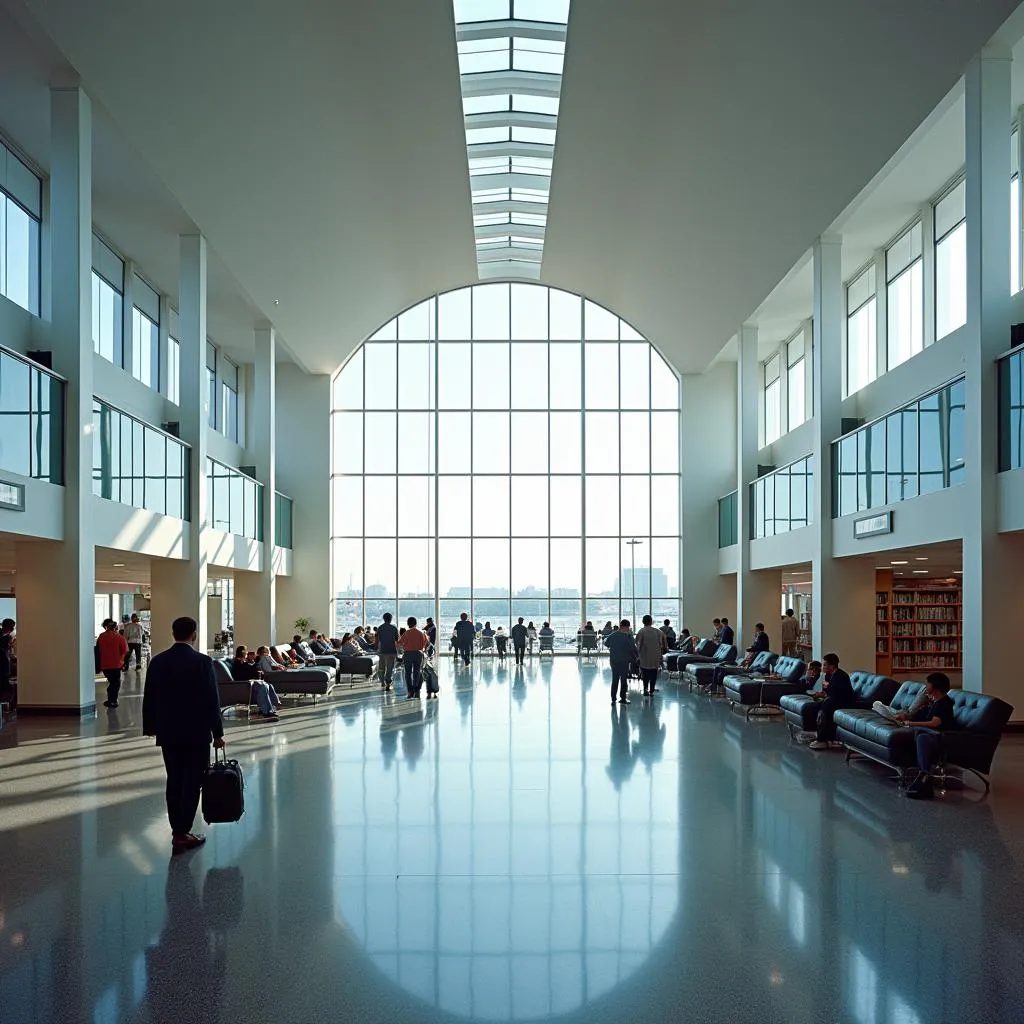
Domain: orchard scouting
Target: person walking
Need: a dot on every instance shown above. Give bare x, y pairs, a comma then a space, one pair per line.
790, 633
113, 651
622, 653
412, 644
519, 633
181, 709
464, 632
387, 650
133, 635
651, 644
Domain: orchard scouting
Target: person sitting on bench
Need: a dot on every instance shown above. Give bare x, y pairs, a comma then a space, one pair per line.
930, 720
759, 644
265, 695
839, 694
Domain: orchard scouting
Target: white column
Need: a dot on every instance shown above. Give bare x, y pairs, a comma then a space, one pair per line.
56, 581
707, 476
256, 592
843, 599
991, 562
758, 595
179, 587
304, 436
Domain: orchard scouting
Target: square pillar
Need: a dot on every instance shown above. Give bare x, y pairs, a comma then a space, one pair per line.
256, 592
992, 563
758, 594
706, 398
304, 434
843, 598
56, 581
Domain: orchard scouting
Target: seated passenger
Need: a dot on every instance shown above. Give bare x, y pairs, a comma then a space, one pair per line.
587, 629
812, 680
687, 643
316, 643
607, 629
487, 631
349, 647
758, 645
267, 662
930, 720
838, 694
266, 696
546, 630
284, 659
501, 639
359, 638
920, 702
301, 651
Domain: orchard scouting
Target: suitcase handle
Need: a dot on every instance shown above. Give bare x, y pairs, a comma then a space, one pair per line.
223, 755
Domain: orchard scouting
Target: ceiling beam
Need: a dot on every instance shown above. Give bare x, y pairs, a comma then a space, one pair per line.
511, 118
538, 150
474, 30
526, 83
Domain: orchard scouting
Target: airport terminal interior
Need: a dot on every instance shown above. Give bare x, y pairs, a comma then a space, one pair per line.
550, 328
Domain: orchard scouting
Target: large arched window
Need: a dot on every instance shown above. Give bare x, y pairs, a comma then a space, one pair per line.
505, 450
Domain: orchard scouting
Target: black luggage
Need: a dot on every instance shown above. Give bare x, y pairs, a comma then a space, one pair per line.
429, 676
223, 790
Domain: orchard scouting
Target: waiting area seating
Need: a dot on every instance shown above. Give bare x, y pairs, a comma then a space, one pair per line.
980, 720
709, 675
302, 682
801, 709
676, 662
759, 691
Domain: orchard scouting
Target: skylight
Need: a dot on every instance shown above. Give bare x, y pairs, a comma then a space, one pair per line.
511, 54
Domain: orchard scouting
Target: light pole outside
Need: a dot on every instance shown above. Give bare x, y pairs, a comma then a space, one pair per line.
632, 559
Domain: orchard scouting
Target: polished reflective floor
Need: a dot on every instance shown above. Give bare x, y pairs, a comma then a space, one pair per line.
517, 850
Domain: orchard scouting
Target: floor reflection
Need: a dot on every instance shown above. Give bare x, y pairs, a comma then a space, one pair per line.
516, 850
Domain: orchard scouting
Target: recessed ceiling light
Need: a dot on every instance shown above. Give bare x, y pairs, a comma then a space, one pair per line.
904, 562
899, 574
958, 572
881, 567
920, 572
921, 558
119, 565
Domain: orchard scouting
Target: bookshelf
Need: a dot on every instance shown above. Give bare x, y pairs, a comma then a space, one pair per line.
918, 625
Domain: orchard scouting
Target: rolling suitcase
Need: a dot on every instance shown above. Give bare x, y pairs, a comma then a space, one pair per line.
223, 790
429, 676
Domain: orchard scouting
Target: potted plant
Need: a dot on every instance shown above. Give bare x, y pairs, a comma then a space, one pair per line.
302, 625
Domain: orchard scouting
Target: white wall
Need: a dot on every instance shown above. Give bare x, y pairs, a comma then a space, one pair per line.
303, 472
231, 551
16, 327
1010, 486
125, 528
793, 548
44, 510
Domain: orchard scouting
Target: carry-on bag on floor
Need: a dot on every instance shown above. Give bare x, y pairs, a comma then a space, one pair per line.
223, 790
429, 676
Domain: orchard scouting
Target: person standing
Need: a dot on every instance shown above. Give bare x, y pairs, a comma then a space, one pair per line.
6, 647
670, 633
464, 633
622, 653
790, 633
181, 709
412, 644
133, 635
387, 650
113, 653
838, 694
531, 636
518, 634
431, 630
651, 644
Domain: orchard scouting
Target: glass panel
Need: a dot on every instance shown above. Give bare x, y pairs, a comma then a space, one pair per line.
454, 559
490, 568
348, 571
381, 506
951, 282
602, 376
347, 442
566, 442
602, 436
876, 455
530, 568
415, 506
454, 442
636, 505
454, 506
156, 467
773, 410
491, 312
565, 376
566, 506
861, 349
530, 506
894, 457
634, 387
909, 429
566, 568
781, 480
490, 377
664, 567
491, 506
417, 324
636, 441
599, 324
529, 442
415, 376
14, 416
454, 369
566, 316
529, 376
957, 397
381, 568
665, 442
381, 442
664, 384
796, 387
453, 316
665, 505
529, 313
602, 494
381, 375
415, 442
905, 313
602, 558
932, 460
347, 506
490, 442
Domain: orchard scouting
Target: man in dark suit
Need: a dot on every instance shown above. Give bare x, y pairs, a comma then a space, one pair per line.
728, 634
181, 708
838, 694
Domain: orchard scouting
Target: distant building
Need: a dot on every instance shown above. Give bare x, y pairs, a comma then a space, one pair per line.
652, 582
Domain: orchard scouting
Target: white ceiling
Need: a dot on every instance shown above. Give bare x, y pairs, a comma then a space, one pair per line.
320, 147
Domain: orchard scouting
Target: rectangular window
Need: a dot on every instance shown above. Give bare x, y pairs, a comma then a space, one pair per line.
861, 355
950, 261
772, 399
796, 383
229, 399
211, 384
20, 214
145, 333
904, 277
173, 370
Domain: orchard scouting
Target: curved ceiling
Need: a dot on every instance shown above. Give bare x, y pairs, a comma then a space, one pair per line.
701, 146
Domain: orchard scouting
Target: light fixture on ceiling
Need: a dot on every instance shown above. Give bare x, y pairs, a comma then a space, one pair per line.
958, 572
119, 565
877, 567
921, 572
920, 558
277, 302
903, 562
